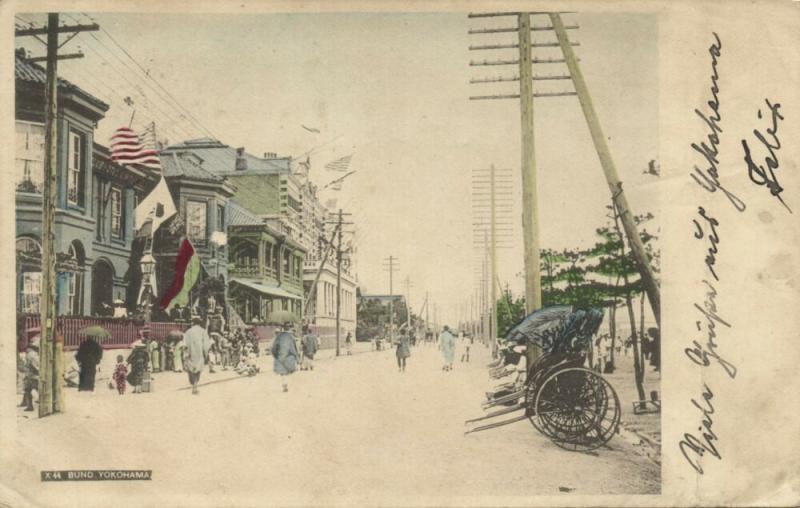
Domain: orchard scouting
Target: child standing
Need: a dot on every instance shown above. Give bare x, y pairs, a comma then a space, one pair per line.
120, 375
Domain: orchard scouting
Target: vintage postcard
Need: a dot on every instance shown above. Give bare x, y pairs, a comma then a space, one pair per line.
387, 253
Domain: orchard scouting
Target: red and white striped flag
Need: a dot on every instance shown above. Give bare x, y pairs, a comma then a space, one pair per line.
127, 147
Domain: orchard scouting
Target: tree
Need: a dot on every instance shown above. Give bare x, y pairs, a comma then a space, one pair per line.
615, 261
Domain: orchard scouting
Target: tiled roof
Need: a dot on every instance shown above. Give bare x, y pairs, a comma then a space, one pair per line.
32, 73
221, 158
173, 165
240, 216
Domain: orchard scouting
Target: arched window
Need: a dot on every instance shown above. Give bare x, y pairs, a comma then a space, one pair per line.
75, 294
29, 260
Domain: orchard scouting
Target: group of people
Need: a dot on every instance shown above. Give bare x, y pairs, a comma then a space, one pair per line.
447, 343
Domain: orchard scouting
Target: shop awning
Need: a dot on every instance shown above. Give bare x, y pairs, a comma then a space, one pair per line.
266, 290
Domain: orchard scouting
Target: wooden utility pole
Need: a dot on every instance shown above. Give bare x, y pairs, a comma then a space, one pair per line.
609, 169
530, 206
51, 369
408, 285
338, 281
313, 290
391, 267
49, 385
493, 308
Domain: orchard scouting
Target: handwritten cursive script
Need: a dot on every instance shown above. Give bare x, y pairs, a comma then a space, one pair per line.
758, 174
694, 446
708, 178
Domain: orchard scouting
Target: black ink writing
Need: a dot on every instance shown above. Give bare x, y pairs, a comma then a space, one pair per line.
758, 174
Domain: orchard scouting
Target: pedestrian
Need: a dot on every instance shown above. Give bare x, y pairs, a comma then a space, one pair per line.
447, 343
462, 337
120, 375
31, 379
403, 351
89, 355
348, 343
153, 349
225, 350
137, 360
284, 354
177, 356
310, 347
213, 353
655, 348
196, 344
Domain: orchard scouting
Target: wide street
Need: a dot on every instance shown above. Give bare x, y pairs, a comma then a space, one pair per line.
354, 430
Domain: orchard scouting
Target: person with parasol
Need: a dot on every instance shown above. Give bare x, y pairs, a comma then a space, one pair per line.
89, 355
138, 360
284, 347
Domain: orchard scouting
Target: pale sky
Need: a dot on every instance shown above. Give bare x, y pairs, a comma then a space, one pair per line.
392, 89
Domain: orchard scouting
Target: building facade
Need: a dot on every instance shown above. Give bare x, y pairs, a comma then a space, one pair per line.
95, 200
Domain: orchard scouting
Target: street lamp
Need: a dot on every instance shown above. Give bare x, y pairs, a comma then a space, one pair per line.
148, 273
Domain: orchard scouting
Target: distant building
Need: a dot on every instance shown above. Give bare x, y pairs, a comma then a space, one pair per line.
95, 200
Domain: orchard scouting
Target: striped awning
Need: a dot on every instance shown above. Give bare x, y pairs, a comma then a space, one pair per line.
266, 290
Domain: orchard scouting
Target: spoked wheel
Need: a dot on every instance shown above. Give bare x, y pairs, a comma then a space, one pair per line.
577, 409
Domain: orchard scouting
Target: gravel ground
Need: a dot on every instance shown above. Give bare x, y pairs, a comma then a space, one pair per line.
353, 431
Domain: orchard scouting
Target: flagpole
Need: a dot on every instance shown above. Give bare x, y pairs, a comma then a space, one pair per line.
130, 124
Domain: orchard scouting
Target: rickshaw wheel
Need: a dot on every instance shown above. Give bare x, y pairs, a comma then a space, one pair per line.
577, 409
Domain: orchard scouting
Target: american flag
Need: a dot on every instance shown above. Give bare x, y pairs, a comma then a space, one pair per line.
339, 164
127, 147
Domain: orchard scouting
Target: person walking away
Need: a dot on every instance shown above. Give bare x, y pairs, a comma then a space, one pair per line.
284, 354
89, 355
403, 351
213, 353
31, 379
447, 343
197, 345
138, 365
177, 356
462, 337
120, 375
310, 347
225, 350
348, 343
153, 349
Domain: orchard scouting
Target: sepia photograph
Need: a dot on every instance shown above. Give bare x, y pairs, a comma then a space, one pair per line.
345, 257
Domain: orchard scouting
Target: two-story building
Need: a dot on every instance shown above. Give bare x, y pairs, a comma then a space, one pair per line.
95, 200
202, 199
266, 268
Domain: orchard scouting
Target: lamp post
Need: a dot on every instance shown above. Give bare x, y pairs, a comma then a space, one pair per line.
148, 269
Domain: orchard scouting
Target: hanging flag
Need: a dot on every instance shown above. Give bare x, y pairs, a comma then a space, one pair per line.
336, 184
156, 207
340, 165
128, 148
187, 270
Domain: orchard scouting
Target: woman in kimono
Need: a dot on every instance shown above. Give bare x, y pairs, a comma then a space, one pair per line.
284, 354
88, 356
447, 343
403, 351
137, 360
154, 349
177, 356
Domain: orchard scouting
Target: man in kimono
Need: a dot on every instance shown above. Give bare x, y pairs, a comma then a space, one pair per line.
197, 344
447, 343
284, 354
153, 349
31, 378
310, 346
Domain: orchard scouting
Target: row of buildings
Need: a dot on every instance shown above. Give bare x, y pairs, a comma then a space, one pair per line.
256, 222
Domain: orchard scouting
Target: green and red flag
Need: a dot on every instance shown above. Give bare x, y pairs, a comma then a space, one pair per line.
187, 270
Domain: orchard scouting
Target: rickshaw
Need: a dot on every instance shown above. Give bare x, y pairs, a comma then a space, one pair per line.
575, 407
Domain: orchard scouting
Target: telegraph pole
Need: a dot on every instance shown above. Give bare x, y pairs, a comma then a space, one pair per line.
51, 370
338, 282
391, 267
408, 285
493, 309
609, 169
